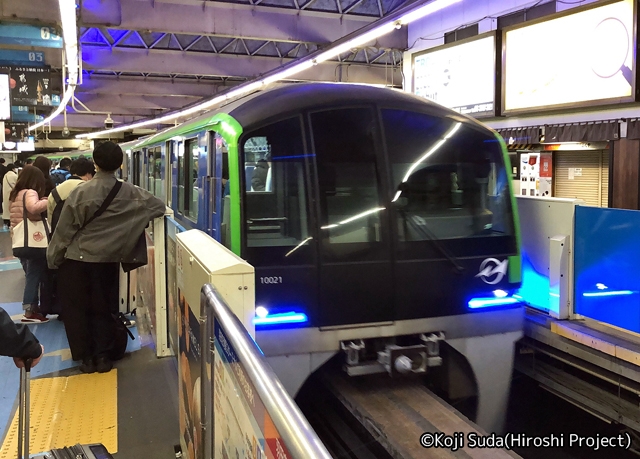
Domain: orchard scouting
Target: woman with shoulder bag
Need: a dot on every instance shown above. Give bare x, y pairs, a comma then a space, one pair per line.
28, 203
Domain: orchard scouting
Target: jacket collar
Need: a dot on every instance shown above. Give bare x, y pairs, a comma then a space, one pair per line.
102, 175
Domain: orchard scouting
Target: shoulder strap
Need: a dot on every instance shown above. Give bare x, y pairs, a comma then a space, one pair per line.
112, 194
55, 216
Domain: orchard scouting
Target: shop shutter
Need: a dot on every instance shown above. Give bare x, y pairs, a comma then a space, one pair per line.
604, 201
590, 180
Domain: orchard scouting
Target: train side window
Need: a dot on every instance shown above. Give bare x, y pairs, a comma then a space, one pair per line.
151, 183
135, 173
347, 175
157, 173
191, 187
181, 177
275, 190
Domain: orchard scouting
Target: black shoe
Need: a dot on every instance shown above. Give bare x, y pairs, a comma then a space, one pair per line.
103, 365
88, 366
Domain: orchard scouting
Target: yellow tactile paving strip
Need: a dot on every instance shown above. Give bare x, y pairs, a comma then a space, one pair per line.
69, 410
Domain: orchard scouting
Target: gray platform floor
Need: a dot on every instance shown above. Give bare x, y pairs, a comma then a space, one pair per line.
148, 424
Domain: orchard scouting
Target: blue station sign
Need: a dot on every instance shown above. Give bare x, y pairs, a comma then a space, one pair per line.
20, 58
30, 35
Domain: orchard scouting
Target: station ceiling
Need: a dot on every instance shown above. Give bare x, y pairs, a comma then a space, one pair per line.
141, 58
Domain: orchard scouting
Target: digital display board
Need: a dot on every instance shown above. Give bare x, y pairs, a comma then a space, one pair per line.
460, 76
583, 58
5, 97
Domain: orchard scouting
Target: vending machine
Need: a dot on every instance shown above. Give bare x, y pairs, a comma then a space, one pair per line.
530, 174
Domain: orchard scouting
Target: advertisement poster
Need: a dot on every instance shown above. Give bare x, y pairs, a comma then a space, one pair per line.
243, 428
33, 86
587, 56
460, 77
15, 131
189, 383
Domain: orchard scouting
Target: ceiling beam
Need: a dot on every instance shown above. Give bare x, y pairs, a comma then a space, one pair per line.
115, 102
149, 86
181, 62
229, 20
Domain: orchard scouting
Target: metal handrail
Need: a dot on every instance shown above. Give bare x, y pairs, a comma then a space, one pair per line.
298, 436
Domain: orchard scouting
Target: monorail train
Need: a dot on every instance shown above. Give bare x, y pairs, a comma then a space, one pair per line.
378, 223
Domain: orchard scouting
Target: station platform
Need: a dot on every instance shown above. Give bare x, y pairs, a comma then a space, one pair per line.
132, 410
592, 365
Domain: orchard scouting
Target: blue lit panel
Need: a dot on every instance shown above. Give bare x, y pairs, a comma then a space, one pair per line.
607, 266
535, 287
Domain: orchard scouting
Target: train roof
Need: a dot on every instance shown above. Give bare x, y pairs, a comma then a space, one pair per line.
290, 98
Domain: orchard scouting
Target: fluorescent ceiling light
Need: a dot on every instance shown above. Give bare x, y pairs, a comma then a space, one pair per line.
371, 32
68, 19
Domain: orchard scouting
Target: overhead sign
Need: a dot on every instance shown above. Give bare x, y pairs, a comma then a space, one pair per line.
584, 58
460, 76
33, 86
25, 114
30, 35
15, 57
5, 97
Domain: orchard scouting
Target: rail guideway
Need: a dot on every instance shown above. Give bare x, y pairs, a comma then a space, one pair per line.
397, 413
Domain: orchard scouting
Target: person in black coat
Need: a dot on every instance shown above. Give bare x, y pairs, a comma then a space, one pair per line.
17, 341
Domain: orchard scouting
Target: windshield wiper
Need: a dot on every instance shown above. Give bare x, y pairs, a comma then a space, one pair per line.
424, 231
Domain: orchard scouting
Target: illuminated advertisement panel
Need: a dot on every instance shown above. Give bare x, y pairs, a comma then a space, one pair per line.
584, 58
5, 97
460, 76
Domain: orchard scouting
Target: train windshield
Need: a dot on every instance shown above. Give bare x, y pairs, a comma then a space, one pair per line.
449, 178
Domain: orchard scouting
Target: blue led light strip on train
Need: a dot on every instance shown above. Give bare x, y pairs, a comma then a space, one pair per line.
282, 318
477, 303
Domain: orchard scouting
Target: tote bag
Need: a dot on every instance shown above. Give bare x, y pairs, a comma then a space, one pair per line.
30, 239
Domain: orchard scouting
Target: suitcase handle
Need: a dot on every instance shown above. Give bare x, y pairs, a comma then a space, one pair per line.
23, 409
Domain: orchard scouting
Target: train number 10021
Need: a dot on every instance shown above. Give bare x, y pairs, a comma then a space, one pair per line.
271, 280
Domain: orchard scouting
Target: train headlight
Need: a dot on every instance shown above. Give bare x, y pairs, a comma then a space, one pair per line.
262, 312
500, 294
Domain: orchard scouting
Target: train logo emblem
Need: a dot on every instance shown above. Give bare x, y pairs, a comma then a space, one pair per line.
490, 268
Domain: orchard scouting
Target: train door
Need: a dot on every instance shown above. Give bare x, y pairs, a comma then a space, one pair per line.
276, 222
355, 282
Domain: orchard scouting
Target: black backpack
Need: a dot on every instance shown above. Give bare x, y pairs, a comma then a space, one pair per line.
58, 176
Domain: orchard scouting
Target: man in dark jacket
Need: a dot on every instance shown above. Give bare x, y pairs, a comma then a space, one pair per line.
63, 173
88, 257
17, 341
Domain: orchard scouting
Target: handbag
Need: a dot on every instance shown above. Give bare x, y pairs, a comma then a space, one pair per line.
139, 252
30, 239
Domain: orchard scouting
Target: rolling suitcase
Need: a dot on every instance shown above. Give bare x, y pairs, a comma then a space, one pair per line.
93, 451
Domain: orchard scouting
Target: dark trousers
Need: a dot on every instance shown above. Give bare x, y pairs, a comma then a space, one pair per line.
86, 293
34, 269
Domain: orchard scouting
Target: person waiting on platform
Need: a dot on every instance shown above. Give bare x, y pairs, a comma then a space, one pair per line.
88, 251
17, 341
82, 170
28, 195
